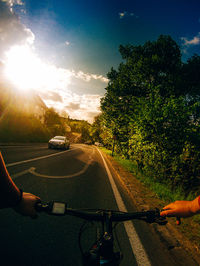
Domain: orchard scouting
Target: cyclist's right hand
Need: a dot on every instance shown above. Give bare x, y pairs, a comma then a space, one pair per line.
181, 208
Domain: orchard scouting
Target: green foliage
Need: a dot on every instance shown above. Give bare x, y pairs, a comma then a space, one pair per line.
96, 129
82, 127
20, 127
151, 108
54, 122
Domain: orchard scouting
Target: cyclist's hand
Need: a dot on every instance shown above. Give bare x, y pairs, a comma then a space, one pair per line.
26, 206
181, 208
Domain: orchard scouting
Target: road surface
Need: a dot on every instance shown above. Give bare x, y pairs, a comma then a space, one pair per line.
81, 177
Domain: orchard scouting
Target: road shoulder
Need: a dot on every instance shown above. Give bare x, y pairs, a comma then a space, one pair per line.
172, 236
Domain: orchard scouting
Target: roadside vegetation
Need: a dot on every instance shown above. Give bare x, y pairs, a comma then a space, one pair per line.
20, 126
150, 114
25, 118
163, 191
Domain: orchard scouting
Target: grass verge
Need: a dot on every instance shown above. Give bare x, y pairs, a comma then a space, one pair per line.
162, 191
188, 234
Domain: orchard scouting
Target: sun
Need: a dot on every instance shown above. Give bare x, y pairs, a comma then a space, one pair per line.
22, 67
27, 71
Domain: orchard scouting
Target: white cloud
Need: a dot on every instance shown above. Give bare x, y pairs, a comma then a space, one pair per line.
30, 36
89, 107
67, 43
99, 77
82, 107
12, 3
12, 31
88, 77
194, 41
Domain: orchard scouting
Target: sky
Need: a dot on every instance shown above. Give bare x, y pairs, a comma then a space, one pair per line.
63, 49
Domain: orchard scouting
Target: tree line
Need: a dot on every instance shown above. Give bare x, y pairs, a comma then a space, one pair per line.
20, 126
151, 112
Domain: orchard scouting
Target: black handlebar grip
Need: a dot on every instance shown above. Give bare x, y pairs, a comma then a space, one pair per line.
39, 207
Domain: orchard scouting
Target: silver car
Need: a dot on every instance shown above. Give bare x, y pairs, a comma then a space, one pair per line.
59, 142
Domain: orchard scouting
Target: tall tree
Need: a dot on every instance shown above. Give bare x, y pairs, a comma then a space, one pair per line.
151, 106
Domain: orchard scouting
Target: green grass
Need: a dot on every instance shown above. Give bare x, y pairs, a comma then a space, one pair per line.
161, 190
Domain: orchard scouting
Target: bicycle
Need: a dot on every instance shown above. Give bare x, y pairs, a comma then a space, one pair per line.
100, 252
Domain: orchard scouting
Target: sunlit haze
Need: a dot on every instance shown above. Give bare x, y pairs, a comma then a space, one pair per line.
27, 71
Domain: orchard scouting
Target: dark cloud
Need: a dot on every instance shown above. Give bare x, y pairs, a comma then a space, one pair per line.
12, 32
73, 106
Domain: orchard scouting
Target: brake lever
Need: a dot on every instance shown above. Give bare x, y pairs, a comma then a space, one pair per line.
161, 220
153, 216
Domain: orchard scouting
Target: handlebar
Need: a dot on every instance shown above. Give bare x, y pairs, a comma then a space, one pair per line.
60, 208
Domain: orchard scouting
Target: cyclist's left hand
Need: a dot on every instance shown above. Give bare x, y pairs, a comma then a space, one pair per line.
26, 206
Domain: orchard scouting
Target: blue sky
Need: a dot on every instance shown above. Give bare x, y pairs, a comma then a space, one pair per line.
82, 37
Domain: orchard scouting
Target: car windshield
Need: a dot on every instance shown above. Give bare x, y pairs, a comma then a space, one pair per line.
60, 138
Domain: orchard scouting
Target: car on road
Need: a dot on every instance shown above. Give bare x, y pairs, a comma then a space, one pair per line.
59, 142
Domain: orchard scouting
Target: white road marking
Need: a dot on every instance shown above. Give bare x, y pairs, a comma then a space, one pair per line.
21, 173
38, 158
33, 172
136, 245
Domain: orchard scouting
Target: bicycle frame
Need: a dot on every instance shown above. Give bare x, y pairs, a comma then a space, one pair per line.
102, 251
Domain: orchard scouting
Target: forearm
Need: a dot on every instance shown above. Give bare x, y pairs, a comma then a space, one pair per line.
9, 192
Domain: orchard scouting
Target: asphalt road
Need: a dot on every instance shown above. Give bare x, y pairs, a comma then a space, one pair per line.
79, 177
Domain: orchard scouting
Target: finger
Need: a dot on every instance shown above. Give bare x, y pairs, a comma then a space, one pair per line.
169, 206
165, 208
168, 213
38, 199
163, 213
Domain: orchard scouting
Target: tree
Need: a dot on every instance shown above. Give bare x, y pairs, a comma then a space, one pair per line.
190, 73
54, 123
151, 106
96, 129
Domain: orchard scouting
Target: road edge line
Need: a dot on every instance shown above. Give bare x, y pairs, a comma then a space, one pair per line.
136, 245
